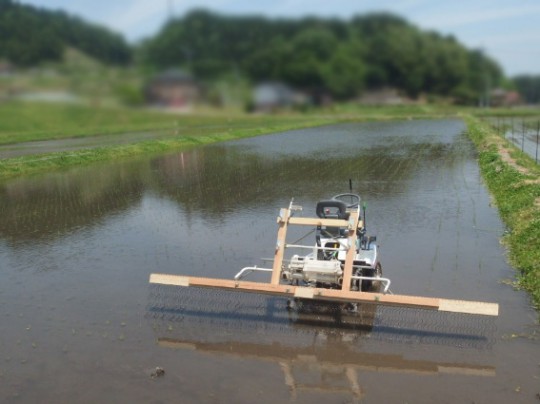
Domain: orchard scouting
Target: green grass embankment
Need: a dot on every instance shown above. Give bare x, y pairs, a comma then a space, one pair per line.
176, 132
22, 122
513, 179
34, 121
37, 121
25, 121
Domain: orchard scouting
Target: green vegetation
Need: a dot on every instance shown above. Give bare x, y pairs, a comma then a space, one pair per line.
324, 56
30, 121
79, 76
514, 181
529, 87
321, 57
29, 35
37, 121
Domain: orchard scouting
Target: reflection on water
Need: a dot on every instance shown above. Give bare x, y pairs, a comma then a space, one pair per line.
57, 204
210, 317
317, 350
77, 247
218, 180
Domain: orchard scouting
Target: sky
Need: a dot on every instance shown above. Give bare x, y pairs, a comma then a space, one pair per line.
506, 30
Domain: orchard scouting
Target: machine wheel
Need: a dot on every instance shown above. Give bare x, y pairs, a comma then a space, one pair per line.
372, 285
376, 286
378, 271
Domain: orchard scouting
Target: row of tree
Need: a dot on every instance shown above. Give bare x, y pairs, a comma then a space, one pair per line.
29, 35
342, 58
529, 88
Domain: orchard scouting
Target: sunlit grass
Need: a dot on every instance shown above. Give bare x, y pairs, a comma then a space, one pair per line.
28, 121
214, 130
31, 121
34, 121
517, 195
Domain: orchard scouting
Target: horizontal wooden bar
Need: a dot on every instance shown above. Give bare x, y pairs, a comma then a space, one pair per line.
431, 303
463, 306
315, 221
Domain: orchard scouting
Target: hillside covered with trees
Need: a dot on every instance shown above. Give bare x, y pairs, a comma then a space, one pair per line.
319, 56
30, 35
341, 58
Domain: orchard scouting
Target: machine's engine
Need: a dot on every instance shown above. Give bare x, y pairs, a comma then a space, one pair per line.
328, 273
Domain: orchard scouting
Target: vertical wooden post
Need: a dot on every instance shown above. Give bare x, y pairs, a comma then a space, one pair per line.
283, 220
351, 252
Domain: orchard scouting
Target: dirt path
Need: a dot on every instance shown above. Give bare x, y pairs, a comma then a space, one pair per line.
78, 143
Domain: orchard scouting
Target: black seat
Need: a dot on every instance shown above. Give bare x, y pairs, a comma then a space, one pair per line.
332, 209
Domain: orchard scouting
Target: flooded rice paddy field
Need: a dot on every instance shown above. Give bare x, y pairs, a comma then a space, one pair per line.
81, 324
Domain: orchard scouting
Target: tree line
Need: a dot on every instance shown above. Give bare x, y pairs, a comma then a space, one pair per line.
30, 35
327, 56
339, 57
529, 87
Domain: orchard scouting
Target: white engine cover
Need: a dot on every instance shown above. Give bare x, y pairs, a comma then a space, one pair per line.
322, 271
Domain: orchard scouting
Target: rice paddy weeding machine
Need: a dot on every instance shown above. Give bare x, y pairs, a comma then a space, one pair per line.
343, 266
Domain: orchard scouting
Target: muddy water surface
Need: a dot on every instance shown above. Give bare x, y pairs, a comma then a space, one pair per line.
79, 322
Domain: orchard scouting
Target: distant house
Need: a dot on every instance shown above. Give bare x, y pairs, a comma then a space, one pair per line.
173, 89
503, 98
269, 96
6, 68
382, 96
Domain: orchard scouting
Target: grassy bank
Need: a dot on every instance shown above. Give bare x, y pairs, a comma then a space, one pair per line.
34, 121
22, 122
514, 181
31, 121
225, 129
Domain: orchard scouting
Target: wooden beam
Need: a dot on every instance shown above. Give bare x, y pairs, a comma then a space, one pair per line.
346, 296
283, 219
351, 252
315, 221
462, 306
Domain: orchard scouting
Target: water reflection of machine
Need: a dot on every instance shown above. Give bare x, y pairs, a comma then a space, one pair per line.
328, 368
317, 349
